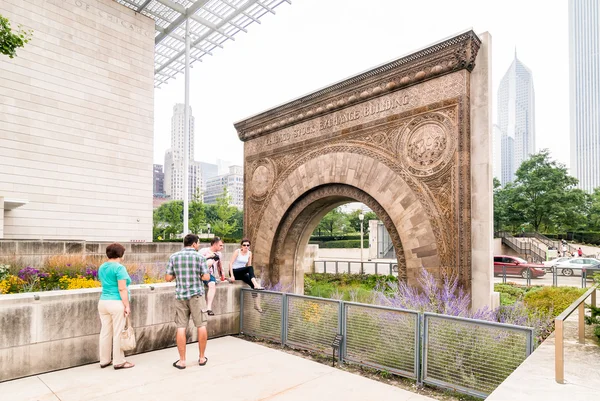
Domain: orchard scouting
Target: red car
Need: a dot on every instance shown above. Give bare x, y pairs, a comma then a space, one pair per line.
517, 267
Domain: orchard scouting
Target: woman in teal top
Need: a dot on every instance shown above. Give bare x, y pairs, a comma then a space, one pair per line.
113, 307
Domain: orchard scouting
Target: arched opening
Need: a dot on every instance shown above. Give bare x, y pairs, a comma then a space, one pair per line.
287, 259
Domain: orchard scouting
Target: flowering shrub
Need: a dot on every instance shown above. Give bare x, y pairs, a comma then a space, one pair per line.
29, 274
74, 283
4, 271
11, 284
62, 272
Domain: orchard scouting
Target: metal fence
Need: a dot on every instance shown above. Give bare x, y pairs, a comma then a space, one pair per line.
350, 267
467, 355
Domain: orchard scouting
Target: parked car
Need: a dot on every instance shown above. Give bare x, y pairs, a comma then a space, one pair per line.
576, 265
550, 264
517, 267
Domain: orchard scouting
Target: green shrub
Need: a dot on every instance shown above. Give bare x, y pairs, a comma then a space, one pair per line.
552, 299
349, 243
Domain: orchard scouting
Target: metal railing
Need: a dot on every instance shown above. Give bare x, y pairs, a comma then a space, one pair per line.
352, 267
559, 341
525, 246
472, 356
467, 355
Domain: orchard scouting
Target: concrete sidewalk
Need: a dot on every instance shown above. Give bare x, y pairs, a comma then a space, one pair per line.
236, 370
534, 379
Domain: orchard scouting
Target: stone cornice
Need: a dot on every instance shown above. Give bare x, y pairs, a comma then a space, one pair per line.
445, 57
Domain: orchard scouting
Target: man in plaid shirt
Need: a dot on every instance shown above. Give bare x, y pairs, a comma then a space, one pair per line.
188, 268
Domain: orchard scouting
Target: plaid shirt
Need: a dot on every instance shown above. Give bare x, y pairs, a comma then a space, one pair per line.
187, 266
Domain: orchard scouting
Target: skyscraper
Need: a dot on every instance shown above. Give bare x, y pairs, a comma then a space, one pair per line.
584, 91
159, 180
233, 181
173, 181
516, 118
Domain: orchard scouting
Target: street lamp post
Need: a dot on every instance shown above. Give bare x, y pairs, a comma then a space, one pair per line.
361, 217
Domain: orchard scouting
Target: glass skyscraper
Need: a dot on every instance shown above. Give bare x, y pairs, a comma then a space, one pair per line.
584, 88
516, 119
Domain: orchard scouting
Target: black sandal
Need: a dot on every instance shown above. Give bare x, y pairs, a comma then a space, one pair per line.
210, 312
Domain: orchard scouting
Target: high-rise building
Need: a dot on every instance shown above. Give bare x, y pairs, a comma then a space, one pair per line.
516, 119
159, 179
209, 170
584, 91
234, 182
174, 163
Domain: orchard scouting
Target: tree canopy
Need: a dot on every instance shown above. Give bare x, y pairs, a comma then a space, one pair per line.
11, 40
544, 196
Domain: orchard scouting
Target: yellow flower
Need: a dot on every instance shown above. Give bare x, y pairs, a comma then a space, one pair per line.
11, 284
78, 282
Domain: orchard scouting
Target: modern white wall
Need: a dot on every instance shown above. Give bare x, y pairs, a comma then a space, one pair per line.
76, 122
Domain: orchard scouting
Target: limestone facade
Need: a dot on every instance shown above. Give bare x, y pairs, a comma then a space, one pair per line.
76, 122
396, 138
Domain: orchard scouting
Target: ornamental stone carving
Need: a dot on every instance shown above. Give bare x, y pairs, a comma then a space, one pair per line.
262, 180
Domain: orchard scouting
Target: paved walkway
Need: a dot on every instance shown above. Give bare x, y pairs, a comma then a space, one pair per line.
236, 370
534, 379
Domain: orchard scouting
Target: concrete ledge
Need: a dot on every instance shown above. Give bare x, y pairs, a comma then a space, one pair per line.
60, 329
534, 379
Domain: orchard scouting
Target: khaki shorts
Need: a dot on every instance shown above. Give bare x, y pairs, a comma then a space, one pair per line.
195, 306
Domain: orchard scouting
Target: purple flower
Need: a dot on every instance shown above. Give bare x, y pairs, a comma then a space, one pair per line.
29, 274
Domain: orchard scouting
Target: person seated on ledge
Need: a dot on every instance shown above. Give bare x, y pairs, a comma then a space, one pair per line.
213, 259
241, 268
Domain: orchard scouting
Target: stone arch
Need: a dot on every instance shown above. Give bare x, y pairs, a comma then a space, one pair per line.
411, 137
330, 179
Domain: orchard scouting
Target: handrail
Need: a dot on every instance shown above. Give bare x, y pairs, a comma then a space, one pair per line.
559, 346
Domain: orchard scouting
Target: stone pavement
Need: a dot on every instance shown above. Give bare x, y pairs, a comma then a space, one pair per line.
534, 379
236, 370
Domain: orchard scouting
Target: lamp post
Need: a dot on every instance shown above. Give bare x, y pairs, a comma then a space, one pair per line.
361, 217
208, 228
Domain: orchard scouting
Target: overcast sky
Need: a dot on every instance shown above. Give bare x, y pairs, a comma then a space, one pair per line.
313, 43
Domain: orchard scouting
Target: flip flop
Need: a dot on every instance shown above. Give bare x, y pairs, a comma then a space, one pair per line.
177, 366
210, 312
105, 365
126, 365
202, 364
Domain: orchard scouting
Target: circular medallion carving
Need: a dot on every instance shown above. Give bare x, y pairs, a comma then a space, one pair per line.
426, 148
262, 180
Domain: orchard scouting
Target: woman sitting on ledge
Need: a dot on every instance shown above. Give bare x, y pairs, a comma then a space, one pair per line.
113, 307
241, 268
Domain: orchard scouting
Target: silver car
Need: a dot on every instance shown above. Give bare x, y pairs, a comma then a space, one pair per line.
573, 265
550, 264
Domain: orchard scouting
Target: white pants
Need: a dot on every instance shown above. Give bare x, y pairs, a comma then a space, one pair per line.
112, 317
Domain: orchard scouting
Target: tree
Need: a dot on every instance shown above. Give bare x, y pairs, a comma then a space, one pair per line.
543, 192
197, 217
354, 221
593, 222
10, 41
169, 218
331, 222
225, 223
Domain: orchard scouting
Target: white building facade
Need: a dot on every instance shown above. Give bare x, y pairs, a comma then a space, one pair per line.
584, 88
174, 163
516, 119
234, 182
76, 123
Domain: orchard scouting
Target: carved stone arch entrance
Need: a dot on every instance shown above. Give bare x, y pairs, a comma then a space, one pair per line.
410, 139
301, 219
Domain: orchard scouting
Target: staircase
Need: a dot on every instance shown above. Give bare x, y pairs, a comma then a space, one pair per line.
527, 246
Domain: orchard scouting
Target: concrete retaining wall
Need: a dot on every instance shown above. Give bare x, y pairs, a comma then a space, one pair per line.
34, 253
46, 331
